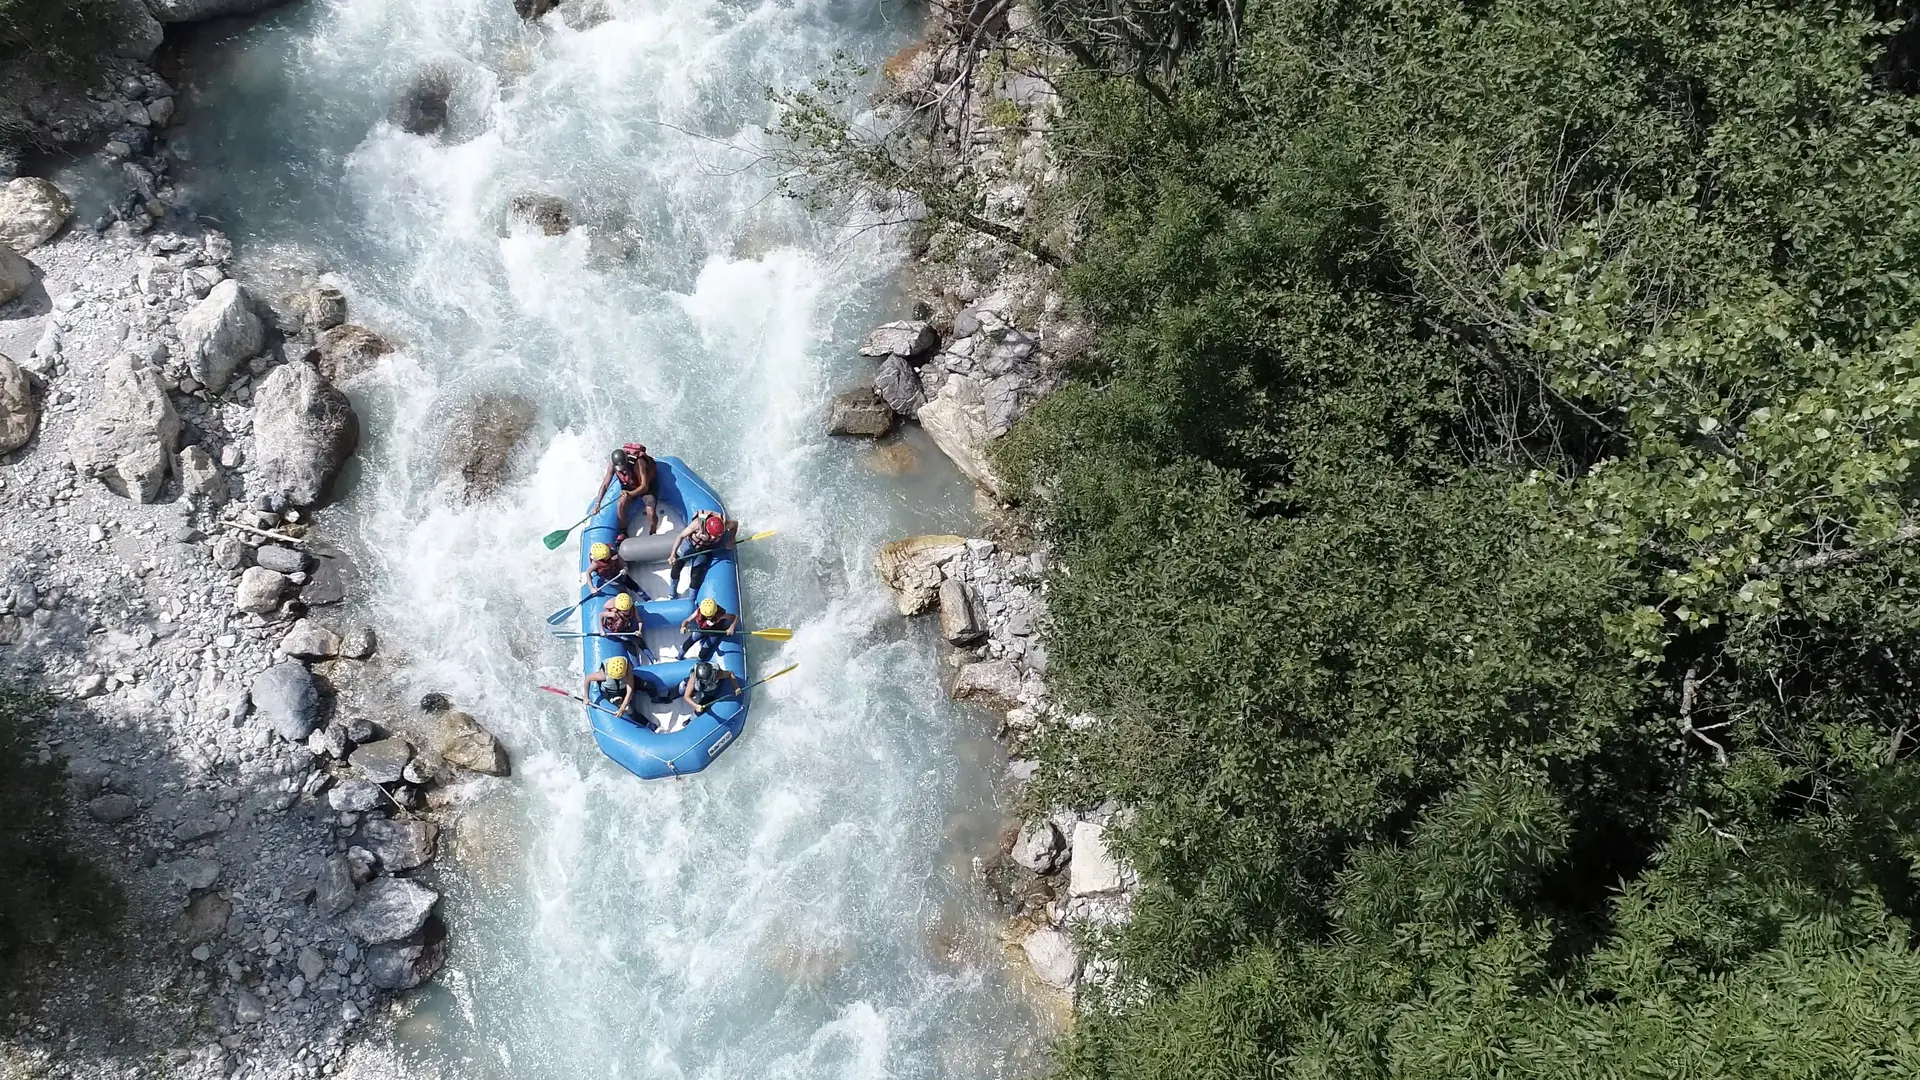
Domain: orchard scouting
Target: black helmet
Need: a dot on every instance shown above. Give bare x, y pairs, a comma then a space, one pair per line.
621, 457
703, 673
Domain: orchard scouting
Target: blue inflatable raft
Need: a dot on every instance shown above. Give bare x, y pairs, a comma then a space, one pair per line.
679, 741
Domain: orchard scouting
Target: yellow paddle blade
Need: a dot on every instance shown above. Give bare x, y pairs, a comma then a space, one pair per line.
758, 536
777, 633
776, 674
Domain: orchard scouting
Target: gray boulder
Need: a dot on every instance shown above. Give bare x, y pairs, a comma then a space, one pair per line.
200, 477
909, 339
16, 275
383, 762
308, 640
286, 698
261, 590
182, 11
860, 413
334, 890
127, 438
348, 349
462, 742
19, 416
389, 909
326, 308
403, 966
960, 620
400, 843
280, 560
956, 419
357, 797
1053, 957
547, 213
303, 432
136, 34
220, 333
31, 212
112, 809
898, 385
993, 683
1039, 848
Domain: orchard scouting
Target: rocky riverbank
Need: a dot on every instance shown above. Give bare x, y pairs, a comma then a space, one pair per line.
991, 336
237, 766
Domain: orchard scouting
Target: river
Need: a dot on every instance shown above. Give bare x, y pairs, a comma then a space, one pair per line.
806, 908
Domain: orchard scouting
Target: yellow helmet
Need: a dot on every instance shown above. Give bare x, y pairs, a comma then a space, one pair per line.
623, 602
709, 607
617, 667
599, 552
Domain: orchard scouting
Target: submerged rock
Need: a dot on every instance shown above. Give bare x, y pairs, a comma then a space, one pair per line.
422, 107
483, 439
346, 350
462, 742
389, 909
860, 413
548, 213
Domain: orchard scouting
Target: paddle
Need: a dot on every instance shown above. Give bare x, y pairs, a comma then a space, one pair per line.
776, 633
675, 557
559, 536
583, 701
769, 678
560, 616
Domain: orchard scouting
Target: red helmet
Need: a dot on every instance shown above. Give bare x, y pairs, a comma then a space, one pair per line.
715, 526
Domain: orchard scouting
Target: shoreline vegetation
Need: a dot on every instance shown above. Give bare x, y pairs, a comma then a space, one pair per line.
1480, 532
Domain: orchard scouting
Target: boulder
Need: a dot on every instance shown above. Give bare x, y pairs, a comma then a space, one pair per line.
383, 762
195, 873
16, 275
897, 384
1095, 870
462, 742
533, 9
19, 416
389, 909
909, 339
993, 683
182, 11
403, 966
204, 920
400, 843
112, 809
286, 698
136, 34
911, 567
357, 797
956, 420
260, 591
308, 640
358, 644
421, 108
303, 432
547, 213
348, 349
960, 619
1039, 848
1004, 399
860, 412
128, 435
329, 741
247, 1008
31, 212
482, 438
200, 477
326, 308
280, 560
219, 334
1053, 957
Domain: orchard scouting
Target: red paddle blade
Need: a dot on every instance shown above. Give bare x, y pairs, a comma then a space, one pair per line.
557, 690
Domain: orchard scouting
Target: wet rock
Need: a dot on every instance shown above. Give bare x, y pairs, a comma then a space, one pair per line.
136, 35
160, 110
402, 966
31, 212
182, 11
280, 560
112, 809
286, 698
327, 583
993, 683
1095, 870
308, 640
359, 644
260, 591
584, 14
219, 334
357, 797
961, 621
200, 477
326, 308
861, 413
334, 889
383, 762
482, 439
1039, 848
912, 568
533, 9
16, 275
400, 843
908, 339
1053, 956
303, 430
463, 743
547, 213
127, 438
19, 416
389, 909
347, 350
422, 107
897, 384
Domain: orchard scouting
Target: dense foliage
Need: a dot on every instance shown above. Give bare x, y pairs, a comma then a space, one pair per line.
45, 889
1486, 531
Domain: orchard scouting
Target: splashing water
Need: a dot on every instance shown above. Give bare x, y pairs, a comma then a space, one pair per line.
806, 907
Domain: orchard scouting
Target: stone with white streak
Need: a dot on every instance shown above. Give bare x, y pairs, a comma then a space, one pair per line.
389, 909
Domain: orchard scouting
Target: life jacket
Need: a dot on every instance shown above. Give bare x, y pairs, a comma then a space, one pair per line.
700, 540
628, 473
608, 566
617, 621
702, 622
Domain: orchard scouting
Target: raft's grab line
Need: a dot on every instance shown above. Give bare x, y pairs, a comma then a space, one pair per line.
649, 754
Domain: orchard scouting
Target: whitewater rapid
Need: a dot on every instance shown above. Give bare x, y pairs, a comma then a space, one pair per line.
807, 907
